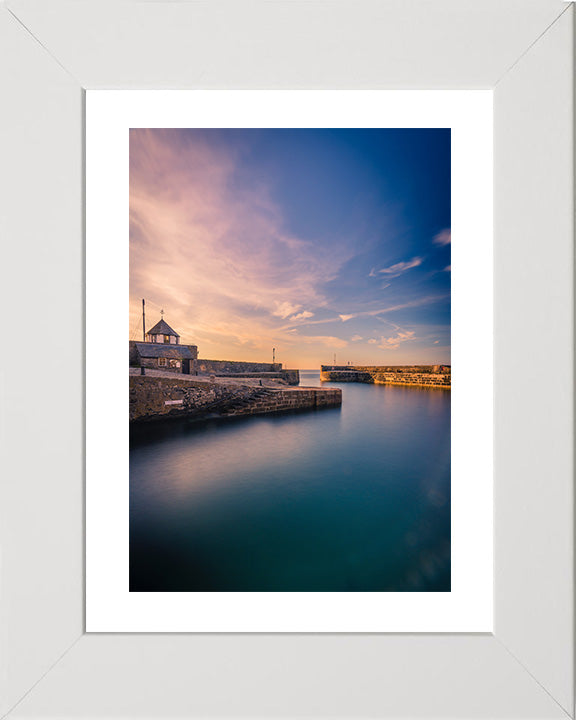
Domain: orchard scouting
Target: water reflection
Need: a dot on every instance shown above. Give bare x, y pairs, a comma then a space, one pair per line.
356, 498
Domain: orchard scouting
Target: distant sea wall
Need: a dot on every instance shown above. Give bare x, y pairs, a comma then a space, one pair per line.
435, 376
235, 368
215, 367
158, 398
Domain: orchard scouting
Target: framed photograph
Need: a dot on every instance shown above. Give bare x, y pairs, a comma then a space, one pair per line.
315, 236
141, 148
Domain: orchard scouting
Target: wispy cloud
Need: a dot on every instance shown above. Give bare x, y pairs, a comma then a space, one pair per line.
427, 300
329, 341
394, 271
394, 342
356, 338
393, 308
444, 237
285, 309
302, 316
401, 267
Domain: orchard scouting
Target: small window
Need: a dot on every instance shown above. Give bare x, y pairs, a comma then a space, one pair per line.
162, 362
166, 338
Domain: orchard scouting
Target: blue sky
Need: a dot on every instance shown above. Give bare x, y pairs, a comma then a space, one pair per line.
315, 242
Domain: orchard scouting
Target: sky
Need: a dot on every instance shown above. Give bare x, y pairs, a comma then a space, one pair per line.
320, 243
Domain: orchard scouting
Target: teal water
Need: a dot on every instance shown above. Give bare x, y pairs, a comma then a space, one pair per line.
343, 499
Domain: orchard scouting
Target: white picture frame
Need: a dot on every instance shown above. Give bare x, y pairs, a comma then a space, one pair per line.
52, 52
110, 606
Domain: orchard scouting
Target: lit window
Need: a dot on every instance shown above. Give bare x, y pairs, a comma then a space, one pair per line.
166, 338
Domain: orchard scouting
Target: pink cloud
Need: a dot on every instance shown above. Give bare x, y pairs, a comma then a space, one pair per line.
443, 238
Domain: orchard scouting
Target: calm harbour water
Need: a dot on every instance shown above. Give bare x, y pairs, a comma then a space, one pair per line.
344, 499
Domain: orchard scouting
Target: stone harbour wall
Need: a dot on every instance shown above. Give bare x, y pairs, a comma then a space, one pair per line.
292, 377
157, 398
345, 376
436, 376
237, 369
234, 367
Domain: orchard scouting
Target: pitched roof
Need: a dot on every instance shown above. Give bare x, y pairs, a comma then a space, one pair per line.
162, 328
165, 350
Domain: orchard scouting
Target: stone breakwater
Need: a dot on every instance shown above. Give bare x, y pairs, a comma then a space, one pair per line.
432, 376
240, 369
156, 398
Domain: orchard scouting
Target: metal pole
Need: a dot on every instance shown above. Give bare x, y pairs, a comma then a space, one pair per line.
142, 370
273, 355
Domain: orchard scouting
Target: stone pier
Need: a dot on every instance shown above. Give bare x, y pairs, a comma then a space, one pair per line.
157, 397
